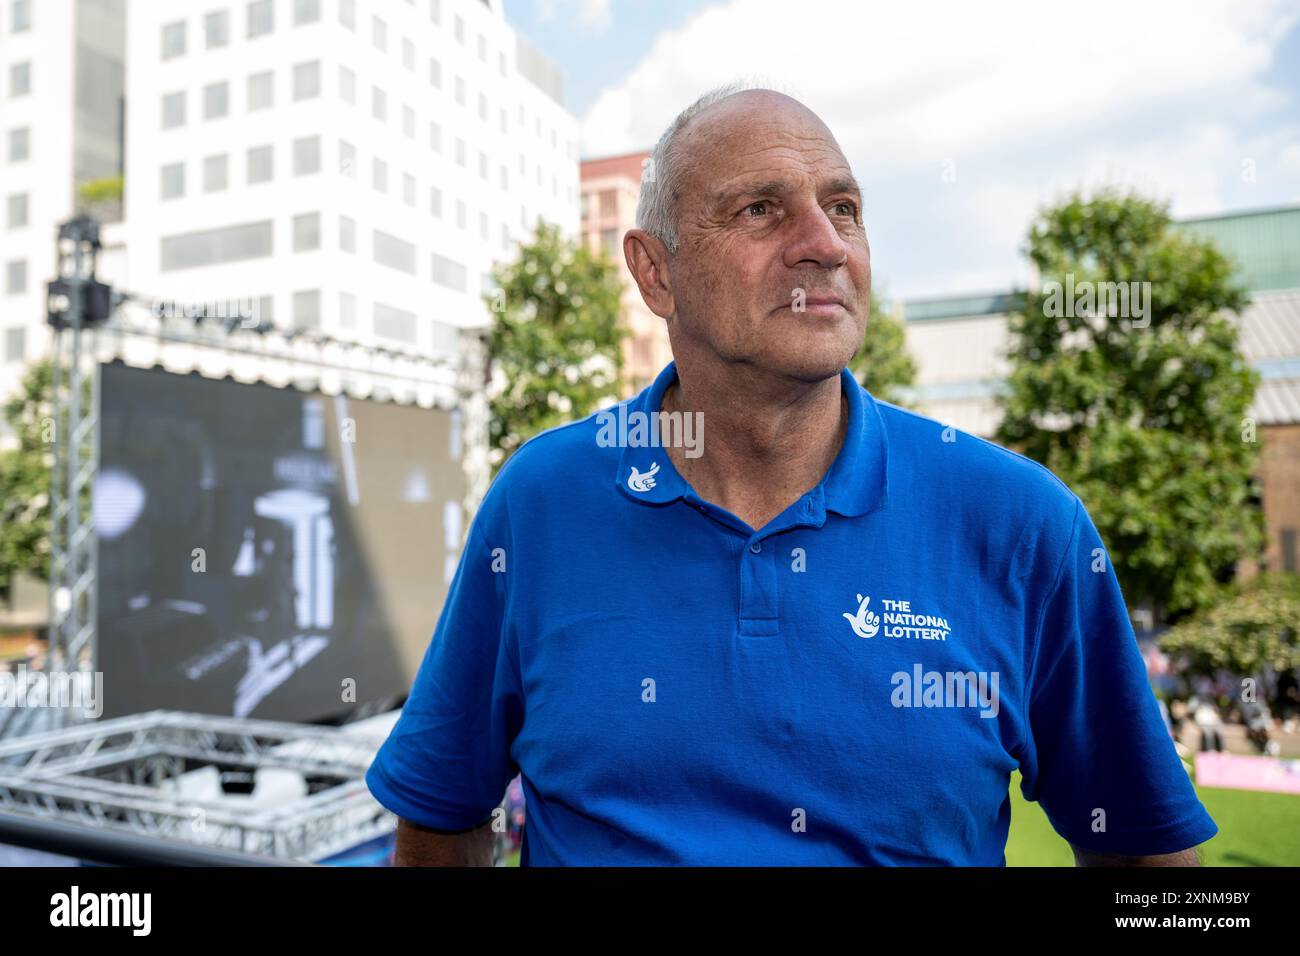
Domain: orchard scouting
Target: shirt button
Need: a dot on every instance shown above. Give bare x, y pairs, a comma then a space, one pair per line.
755, 547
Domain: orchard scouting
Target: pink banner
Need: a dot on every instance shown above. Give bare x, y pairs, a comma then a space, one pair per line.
1247, 773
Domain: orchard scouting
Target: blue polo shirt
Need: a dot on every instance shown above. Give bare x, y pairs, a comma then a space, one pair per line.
851, 684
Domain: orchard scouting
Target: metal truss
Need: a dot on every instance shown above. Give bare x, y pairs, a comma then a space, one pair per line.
124, 774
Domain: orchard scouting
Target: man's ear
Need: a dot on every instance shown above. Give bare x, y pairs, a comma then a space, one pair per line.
647, 260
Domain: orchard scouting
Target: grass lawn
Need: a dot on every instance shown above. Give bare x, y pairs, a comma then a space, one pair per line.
1255, 829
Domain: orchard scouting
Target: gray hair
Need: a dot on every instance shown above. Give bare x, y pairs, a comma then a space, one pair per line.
661, 179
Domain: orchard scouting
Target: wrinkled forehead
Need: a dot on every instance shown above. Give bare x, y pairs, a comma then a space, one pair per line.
761, 139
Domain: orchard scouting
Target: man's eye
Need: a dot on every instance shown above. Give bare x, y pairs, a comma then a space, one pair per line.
760, 205
849, 209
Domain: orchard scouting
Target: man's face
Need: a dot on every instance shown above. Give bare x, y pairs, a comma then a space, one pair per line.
769, 209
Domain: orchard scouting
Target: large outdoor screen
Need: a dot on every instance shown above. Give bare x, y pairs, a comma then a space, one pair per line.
267, 552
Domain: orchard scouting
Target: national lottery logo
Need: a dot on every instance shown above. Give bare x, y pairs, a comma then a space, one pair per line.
864, 623
643, 481
898, 620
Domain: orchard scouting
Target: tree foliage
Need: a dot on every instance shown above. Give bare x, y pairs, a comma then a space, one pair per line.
1144, 416
883, 365
1254, 624
554, 353
25, 479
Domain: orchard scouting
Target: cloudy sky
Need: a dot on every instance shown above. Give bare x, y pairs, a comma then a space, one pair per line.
962, 119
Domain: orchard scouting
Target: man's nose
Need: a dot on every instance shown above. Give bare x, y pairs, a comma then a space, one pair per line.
815, 239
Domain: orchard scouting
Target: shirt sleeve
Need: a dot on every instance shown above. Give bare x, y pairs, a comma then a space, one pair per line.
1098, 758
447, 761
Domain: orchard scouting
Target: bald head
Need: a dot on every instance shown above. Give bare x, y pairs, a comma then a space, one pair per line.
700, 134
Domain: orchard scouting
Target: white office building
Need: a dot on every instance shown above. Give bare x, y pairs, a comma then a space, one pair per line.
61, 108
349, 167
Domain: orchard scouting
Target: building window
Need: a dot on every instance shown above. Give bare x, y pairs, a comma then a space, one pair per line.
460, 151
347, 310
216, 29
21, 18
261, 90
501, 63
378, 104
265, 309
15, 345
449, 273
459, 29
260, 162
482, 47
16, 277
173, 39
173, 110
435, 73
408, 121
347, 85
435, 11
306, 309
347, 159
306, 80
483, 226
608, 203
16, 211
482, 165
609, 242
215, 169
379, 175
347, 234
20, 144
214, 246
435, 137
20, 79
505, 179
408, 55
216, 100
348, 14
305, 11
393, 252
306, 232
435, 201
172, 181
460, 91
306, 156
460, 214
408, 189
261, 18
379, 33
1289, 561
482, 107
394, 323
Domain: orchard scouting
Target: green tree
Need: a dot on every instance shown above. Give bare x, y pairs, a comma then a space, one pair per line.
1141, 411
554, 350
883, 365
25, 479
1253, 624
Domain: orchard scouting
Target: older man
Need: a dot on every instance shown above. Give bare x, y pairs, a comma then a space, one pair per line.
827, 639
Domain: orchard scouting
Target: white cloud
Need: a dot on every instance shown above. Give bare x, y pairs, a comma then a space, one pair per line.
1028, 101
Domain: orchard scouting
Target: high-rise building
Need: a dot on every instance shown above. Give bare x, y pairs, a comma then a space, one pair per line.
350, 167
610, 189
61, 113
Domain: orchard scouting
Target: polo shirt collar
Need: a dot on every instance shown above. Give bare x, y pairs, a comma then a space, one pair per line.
856, 483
